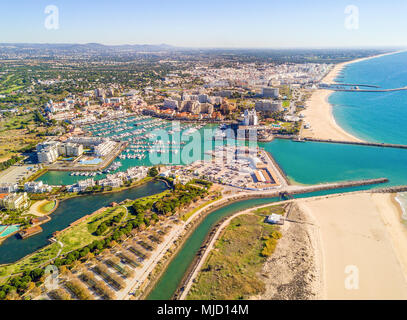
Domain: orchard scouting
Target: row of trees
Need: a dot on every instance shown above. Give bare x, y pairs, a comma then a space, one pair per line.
114, 262
111, 278
109, 223
98, 286
8, 163
21, 284
79, 289
182, 196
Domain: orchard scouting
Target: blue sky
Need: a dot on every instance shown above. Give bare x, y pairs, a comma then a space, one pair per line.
197, 23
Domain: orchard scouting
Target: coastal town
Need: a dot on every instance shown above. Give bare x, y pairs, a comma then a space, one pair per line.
110, 166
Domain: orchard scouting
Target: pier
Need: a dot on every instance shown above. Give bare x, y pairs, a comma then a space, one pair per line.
359, 143
365, 90
355, 85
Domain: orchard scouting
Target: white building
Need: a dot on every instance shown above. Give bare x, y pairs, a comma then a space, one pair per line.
14, 201
275, 219
70, 149
8, 187
47, 152
82, 185
114, 100
104, 148
59, 107
250, 118
112, 182
36, 187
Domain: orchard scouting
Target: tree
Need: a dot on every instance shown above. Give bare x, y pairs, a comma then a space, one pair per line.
153, 172
36, 274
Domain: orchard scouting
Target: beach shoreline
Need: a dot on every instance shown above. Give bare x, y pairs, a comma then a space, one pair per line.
373, 222
319, 112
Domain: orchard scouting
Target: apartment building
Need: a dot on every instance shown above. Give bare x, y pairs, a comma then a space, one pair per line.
14, 201
268, 106
8, 187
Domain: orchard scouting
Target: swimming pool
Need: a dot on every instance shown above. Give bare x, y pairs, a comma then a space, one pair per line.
93, 161
7, 230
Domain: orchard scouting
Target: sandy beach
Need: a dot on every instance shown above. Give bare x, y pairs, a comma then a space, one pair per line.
35, 208
293, 270
362, 232
318, 113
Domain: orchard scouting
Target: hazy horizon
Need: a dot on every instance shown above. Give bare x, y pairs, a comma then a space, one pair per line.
211, 47
208, 24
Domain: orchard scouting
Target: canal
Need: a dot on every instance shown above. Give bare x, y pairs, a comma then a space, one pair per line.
70, 210
173, 275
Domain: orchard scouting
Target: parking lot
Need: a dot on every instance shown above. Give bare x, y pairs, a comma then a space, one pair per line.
16, 173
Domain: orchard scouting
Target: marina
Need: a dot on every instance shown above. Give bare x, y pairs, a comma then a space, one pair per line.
143, 137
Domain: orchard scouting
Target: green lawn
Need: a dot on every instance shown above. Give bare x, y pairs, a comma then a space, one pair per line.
82, 234
40, 257
47, 207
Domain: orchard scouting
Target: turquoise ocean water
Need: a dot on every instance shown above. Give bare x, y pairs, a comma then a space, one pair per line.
379, 117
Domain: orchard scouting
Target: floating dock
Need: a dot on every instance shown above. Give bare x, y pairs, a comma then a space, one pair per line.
30, 232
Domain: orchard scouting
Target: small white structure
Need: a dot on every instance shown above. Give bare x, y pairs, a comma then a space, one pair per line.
275, 219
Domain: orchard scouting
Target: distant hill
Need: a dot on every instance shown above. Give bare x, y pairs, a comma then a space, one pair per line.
88, 47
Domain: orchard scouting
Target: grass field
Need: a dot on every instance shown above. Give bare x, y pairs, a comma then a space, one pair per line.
9, 84
17, 132
47, 207
82, 234
38, 258
231, 270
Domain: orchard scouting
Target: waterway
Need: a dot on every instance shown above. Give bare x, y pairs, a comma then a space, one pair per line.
70, 210
170, 280
315, 162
